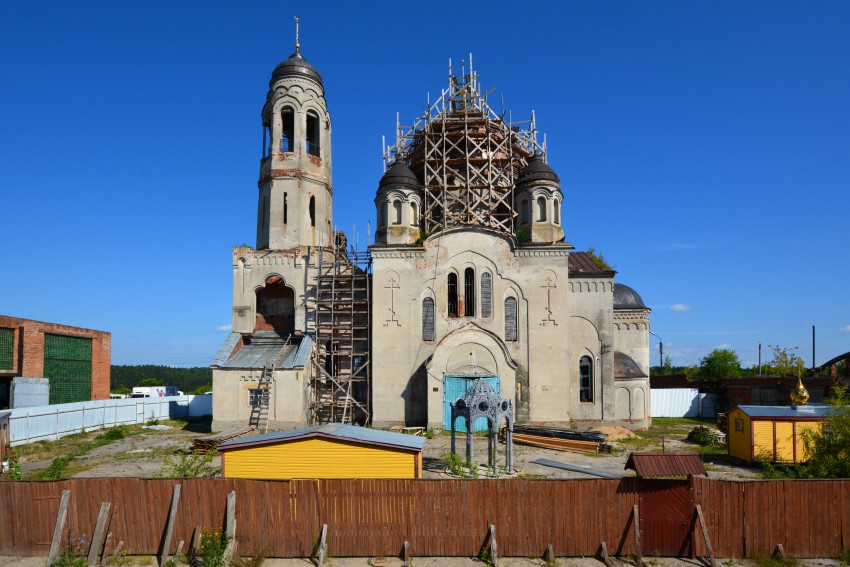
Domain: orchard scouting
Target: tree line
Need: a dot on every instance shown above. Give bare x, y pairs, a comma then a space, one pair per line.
195, 380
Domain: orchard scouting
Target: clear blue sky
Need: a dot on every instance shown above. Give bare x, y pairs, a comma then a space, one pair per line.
703, 147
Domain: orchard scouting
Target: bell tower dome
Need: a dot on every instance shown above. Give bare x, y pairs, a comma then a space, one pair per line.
294, 207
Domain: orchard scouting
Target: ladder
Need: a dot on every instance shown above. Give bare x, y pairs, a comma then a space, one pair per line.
260, 406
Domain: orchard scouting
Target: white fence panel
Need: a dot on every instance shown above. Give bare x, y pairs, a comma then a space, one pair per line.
47, 423
674, 402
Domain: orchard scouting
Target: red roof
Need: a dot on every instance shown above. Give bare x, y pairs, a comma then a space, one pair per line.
656, 465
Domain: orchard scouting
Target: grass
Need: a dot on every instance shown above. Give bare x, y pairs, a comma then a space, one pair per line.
774, 561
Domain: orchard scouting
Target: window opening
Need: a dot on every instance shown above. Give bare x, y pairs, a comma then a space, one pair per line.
541, 209
585, 374
510, 319
486, 295
313, 135
452, 280
312, 211
414, 214
557, 212
523, 212
285, 209
287, 129
397, 212
469, 292
428, 319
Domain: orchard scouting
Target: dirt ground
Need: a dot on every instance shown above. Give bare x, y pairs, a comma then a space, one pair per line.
142, 455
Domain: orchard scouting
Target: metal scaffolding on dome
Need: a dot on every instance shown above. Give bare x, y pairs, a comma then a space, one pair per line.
467, 156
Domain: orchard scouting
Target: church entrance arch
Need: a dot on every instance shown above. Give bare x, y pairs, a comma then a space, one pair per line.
454, 387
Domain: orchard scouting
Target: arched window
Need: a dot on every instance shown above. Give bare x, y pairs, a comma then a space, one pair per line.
523, 212
510, 319
469, 292
396, 212
486, 295
312, 211
585, 379
313, 135
557, 212
452, 284
267, 141
287, 129
414, 214
285, 209
382, 214
428, 319
541, 209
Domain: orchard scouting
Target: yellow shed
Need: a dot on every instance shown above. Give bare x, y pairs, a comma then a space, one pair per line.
332, 450
773, 433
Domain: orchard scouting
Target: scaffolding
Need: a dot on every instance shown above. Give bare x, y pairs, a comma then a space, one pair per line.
467, 157
340, 389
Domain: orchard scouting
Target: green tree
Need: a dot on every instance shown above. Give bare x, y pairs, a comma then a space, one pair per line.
783, 363
122, 390
718, 364
150, 382
828, 448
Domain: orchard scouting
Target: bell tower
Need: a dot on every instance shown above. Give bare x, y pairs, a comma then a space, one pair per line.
295, 192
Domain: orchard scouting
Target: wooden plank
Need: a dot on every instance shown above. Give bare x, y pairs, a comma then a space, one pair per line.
117, 551
705, 535
230, 526
405, 554
169, 526
636, 522
60, 526
323, 546
603, 554
494, 547
195, 543
97, 538
106, 546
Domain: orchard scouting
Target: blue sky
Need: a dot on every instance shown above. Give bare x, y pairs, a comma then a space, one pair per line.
703, 147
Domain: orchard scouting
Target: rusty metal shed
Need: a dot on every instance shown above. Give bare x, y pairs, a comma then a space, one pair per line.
665, 465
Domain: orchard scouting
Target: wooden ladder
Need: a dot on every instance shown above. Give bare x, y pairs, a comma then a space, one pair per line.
260, 409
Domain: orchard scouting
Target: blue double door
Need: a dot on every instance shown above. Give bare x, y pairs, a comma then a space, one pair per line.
454, 387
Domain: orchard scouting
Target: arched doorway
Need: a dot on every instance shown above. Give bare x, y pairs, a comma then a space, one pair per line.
275, 306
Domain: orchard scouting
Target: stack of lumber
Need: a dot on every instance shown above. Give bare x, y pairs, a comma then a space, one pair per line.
207, 444
560, 439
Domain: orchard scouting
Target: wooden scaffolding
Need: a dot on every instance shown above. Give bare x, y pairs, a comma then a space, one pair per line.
467, 157
340, 390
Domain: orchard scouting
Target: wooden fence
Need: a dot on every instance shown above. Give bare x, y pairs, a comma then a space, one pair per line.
437, 517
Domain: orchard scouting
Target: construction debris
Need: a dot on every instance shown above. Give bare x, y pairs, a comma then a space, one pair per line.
206, 444
561, 439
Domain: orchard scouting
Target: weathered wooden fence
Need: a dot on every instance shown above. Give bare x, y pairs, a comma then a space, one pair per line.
437, 517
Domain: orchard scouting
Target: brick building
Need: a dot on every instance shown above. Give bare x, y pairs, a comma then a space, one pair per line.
75, 360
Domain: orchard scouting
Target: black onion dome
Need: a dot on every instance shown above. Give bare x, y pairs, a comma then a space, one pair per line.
537, 170
399, 174
627, 298
296, 66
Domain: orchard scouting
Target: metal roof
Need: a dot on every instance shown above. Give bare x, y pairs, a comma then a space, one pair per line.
626, 367
334, 431
261, 349
225, 350
801, 412
537, 170
627, 298
663, 465
580, 263
295, 66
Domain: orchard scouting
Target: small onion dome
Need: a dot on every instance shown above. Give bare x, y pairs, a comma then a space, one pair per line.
399, 174
537, 170
627, 298
296, 66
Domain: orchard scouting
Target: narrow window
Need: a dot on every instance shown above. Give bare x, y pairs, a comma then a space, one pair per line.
285, 209
469, 292
523, 212
557, 212
313, 135
287, 129
396, 212
510, 319
427, 319
585, 379
414, 214
312, 211
382, 214
266, 141
486, 295
541, 209
452, 295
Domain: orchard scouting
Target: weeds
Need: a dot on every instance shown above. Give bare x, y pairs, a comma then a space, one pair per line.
74, 554
843, 557
459, 467
213, 546
188, 465
11, 465
253, 561
774, 561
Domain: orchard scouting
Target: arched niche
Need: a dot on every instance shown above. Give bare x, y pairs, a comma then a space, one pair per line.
275, 306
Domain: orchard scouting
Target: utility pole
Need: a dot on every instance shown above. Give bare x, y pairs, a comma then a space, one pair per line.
660, 351
759, 358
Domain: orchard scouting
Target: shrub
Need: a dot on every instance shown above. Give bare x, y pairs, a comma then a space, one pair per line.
188, 465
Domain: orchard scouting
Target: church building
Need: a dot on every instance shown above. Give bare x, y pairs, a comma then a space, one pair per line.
471, 276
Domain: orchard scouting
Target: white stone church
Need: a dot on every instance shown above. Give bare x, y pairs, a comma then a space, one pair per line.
470, 277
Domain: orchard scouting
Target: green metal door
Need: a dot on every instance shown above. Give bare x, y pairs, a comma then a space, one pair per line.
67, 363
